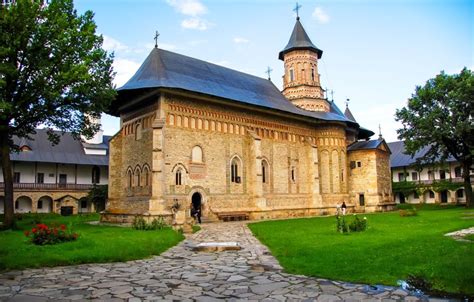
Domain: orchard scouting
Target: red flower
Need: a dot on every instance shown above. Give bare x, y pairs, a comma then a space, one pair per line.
27, 233
34, 230
63, 227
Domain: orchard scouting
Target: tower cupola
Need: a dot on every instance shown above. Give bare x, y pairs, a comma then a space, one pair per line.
301, 82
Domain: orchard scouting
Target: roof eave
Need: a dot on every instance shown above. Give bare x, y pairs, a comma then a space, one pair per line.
282, 53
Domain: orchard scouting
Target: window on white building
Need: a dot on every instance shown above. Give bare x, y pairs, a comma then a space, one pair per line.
95, 175
414, 176
458, 172
431, 175
40, 178
401, 176
16, 177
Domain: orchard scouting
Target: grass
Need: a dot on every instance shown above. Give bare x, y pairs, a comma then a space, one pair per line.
392, 248
470, 237
196, 228
96, 243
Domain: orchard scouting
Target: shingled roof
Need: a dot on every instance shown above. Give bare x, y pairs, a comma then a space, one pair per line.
165, 69
368, 145
400, 159
68, 151
299, 39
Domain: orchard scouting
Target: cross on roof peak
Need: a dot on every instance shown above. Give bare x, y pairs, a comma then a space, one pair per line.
157, 34
268, 72
297, 10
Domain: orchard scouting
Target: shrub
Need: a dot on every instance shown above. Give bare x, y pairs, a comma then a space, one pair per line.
43, 235
407, 212
341, 224
358, 225
139, 223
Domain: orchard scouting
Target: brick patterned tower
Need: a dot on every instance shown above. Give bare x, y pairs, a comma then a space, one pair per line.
301, 83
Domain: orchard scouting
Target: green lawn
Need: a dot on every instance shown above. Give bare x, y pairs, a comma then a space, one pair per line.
95, 243
389, 250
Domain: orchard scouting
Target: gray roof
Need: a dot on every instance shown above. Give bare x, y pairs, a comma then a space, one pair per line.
400, 159
349, 115
365, 145
165, 69
299, 39
68, 151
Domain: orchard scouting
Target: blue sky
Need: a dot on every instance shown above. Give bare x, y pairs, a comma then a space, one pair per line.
375, 52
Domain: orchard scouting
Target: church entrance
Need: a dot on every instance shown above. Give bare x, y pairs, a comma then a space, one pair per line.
196, 210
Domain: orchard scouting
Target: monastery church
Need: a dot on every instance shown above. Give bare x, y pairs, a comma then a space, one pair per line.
233, 144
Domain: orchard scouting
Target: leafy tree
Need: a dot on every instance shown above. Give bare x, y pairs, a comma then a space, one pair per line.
98, 196
440, 115
53, 72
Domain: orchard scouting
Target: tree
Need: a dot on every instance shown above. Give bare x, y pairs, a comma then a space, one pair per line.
98, 196
53, 72
440, 115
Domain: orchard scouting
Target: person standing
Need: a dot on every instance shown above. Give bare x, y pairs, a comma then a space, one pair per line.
344, 207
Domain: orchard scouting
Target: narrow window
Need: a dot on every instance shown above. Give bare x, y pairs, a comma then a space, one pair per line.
361, 200
460, 193
16, 177
414, 176
401, 176
83, 204
292, 78
130, 179
442, 174
312, 74
234, 171
95, 175
265, 171
431, 194
40, 178
137, 177
457, 172
40, 204
178, 177
147, 177
415, 195
17, 206
359, 164
293, 174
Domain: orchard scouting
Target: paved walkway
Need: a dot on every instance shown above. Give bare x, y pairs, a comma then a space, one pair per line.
182, 274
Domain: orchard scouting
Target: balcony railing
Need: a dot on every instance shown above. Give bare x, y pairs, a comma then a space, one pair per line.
48, 187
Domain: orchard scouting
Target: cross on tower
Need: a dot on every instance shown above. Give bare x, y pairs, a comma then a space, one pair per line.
268, 72
157, 34
297, 10
347, 102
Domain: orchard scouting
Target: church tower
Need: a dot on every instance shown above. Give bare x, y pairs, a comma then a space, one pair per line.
301, 83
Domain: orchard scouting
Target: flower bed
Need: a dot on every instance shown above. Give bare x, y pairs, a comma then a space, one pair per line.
43, 235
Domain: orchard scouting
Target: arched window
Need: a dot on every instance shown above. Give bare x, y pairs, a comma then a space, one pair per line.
138, 131
265, 172
40, 204
293, 174
235, 166
292, 76
146, 175
95, 175
312, 74
130, 178
137, 177
178, 177
196, 155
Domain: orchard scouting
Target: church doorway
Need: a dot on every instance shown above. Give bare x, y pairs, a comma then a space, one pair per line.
196, 201
444, 196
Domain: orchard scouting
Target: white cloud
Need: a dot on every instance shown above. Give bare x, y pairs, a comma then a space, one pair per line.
195, 23
110, 44
240, 40
320, 15
193, 9
124, 69
188, 7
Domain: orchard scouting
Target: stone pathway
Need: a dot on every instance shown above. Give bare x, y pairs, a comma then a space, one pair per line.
182, 274
459, 235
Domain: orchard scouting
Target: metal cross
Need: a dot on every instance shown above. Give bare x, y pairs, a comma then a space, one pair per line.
269, 71
347, 102
332, 95
297, 10
157, 34
380, 132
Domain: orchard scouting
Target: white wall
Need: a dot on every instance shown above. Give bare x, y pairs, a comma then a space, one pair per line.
84, 173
